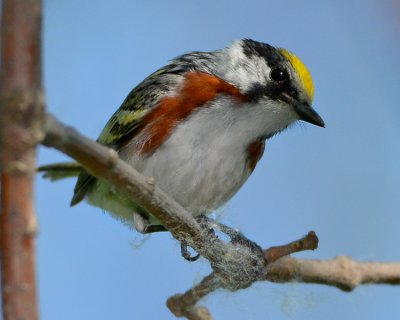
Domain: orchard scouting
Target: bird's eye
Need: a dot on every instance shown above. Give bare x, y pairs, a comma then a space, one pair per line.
279, 75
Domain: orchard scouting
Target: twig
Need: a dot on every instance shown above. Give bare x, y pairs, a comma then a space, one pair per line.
21, 129
183, 305
308, 242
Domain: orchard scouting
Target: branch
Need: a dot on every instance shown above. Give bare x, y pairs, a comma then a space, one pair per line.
21, 129
237, 264
341, 272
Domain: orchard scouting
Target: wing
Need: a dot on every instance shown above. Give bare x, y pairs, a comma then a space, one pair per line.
120, 129
121, 126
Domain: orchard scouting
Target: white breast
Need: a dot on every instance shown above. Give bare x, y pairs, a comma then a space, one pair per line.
204, 161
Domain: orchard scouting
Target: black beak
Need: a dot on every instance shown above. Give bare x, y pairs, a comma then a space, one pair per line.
308, 114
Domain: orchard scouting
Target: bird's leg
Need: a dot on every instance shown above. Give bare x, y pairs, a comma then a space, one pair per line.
142, 224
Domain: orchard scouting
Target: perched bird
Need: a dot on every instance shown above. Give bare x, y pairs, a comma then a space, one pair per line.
198, 126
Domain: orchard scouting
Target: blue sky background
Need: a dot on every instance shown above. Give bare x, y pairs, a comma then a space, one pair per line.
342, 181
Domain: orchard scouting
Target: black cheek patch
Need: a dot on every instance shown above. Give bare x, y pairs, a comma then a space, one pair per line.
271, 90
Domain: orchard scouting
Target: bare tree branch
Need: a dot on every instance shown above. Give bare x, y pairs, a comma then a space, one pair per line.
237, 264
21, 129
341, 272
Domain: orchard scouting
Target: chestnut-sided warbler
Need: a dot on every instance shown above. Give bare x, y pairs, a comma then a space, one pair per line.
198, 126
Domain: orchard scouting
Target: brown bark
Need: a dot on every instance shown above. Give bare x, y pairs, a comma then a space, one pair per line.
21, 129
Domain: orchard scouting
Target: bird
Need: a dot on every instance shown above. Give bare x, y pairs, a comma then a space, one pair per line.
198, 126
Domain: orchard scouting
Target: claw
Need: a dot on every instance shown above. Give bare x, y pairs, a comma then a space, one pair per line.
186, 254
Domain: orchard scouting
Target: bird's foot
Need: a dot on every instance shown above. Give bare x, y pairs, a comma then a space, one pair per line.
142, 224
186, 254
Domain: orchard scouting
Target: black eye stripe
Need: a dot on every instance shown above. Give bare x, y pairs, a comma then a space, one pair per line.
274, 90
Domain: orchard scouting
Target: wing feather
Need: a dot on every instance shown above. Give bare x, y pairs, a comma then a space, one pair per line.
122, 124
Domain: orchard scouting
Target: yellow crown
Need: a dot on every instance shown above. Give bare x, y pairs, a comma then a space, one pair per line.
302, 71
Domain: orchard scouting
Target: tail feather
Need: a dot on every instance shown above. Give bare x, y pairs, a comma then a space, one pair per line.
83, 185
62, 170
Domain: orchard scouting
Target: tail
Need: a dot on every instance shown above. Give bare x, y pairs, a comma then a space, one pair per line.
62, 170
